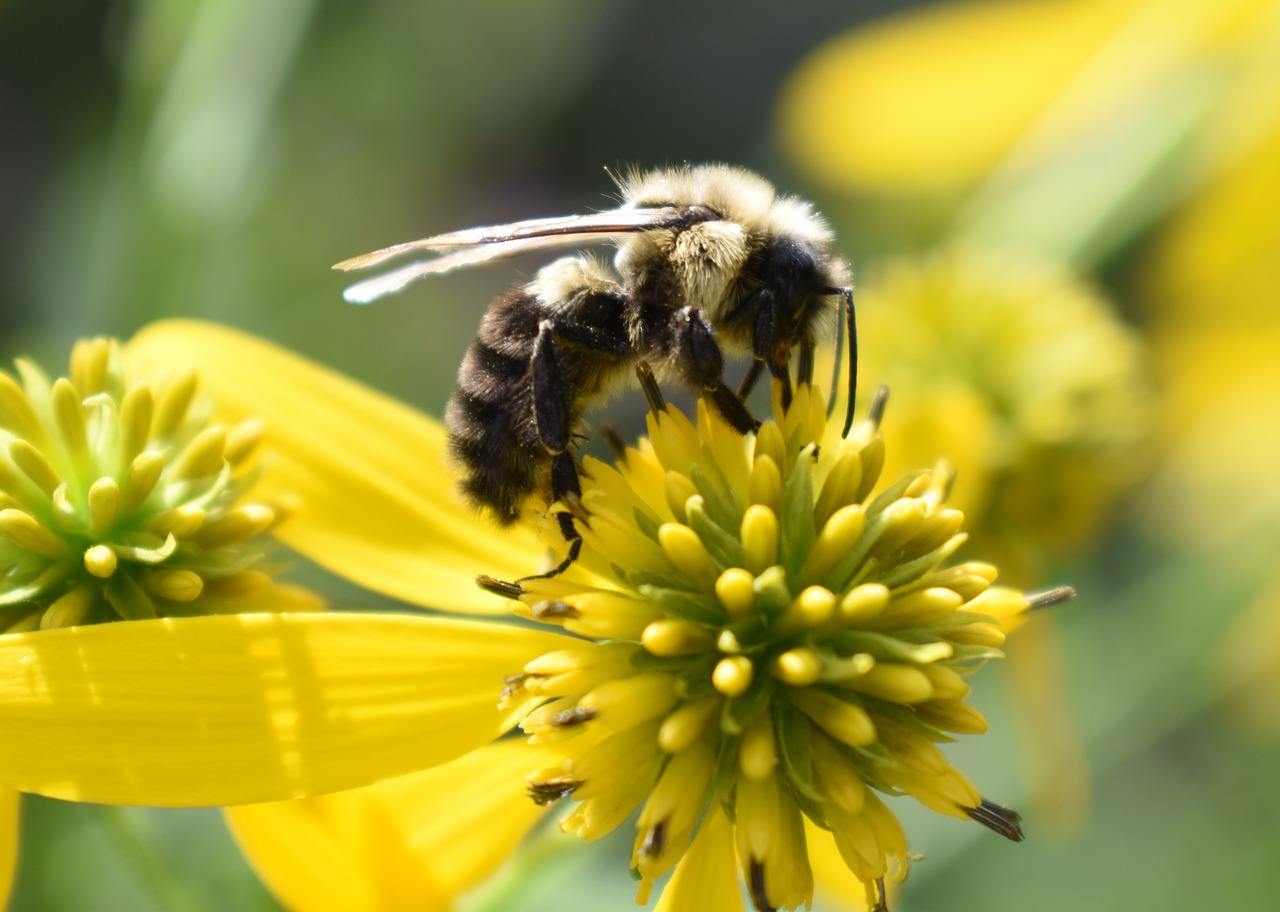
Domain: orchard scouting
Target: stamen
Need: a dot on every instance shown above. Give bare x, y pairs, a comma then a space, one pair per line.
894, 681
202, 456
798, 667
736, 591
549, 791
499, 587
998, 819
649, 386
572, 717
144, 472
687, 723
879, 401
174, 402
811, 608
684, 548
25, 531
759, 534
675, 637
70, 609
759, 898
844, 721
783, 631
1050, 597
177, 585
104, 502
35, 466
101, 561
733, 675
758, 757
135, 420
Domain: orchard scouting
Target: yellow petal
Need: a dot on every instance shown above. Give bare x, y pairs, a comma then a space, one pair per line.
835, 883
245, 708
366, 476
1215, 264
934, 98
463, 819
9, 801
707, 877
333, 852
428, 836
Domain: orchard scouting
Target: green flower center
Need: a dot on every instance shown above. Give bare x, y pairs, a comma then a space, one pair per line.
119, 498
763, 633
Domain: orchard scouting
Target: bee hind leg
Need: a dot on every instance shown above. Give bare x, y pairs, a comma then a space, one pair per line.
553, 417
566, 489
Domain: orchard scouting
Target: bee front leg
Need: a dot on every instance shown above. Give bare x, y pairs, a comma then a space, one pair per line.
699, 356
764, 344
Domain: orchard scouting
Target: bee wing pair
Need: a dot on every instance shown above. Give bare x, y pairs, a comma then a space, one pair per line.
479, 245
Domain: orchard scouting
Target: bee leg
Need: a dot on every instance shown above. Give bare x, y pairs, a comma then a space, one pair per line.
783, 376
749, 380
564, 487
553, 418
551, 410
804, 364
844, 312
703, 365
764, 342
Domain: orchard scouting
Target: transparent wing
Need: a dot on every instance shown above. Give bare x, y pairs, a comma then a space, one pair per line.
480, 245
369, 290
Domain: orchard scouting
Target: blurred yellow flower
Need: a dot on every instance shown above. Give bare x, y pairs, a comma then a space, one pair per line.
1024, 378
753, 637
122, 498
932, 100
1210, 289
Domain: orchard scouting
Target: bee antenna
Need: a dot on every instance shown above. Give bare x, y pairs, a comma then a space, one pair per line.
853, 360
845, 325
839, 354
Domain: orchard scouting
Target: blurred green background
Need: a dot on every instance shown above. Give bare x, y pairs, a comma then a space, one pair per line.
212, 159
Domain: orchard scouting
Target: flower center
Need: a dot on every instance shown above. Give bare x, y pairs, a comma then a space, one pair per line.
118, 498
763, 633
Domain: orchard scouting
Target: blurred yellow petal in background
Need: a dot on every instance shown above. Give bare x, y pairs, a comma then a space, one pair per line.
1210, 287
413, 842
1024, 378
933, 99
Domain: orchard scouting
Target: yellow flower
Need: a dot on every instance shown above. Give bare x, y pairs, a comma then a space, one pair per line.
121, 498
1210, 288
752, 642
1024, 378
932, 100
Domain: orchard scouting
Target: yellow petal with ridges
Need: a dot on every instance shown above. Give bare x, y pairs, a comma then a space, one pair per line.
707, 876
334, 852
244, 708
366, 477
463, 819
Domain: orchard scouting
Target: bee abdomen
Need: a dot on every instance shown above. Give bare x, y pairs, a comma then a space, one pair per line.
490, 417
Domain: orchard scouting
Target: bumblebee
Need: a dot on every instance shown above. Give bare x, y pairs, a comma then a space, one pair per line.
709, 260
